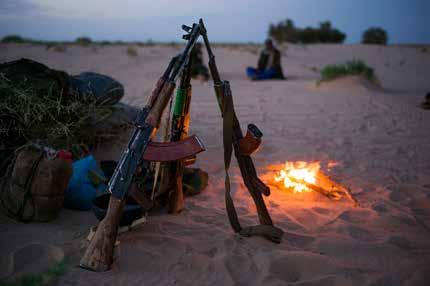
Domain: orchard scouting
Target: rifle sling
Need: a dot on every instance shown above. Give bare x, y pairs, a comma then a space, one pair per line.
268, 231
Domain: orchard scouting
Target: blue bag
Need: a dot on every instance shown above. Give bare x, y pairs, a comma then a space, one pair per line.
81, 189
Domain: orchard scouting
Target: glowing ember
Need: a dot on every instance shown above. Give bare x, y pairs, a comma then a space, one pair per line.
296, 172
332, 164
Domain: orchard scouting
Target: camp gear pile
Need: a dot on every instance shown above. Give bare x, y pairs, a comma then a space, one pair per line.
48, 108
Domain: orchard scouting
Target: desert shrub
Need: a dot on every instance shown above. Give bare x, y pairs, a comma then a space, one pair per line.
48, 277
375, 36
105, 43
48, 116
327, 34
283, 31
132, 52
20, 40
149, 43
59, 48
354, 67
174, 44
95, 48
83, 41
286, 32
13, 39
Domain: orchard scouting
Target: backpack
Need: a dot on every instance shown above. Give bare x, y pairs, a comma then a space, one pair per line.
34, 184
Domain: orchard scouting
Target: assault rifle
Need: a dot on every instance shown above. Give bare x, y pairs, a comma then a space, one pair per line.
179, 130
99, 254
243, 148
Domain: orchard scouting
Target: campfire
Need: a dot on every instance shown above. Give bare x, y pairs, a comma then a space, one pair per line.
301, 177
297, 175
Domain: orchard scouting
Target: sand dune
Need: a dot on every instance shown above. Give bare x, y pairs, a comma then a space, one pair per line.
378, 135
350, 84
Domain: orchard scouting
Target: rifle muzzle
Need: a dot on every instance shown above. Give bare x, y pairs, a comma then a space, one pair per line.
252, 140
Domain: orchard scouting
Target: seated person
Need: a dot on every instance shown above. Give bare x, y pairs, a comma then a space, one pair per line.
426, 103
198, 69
269, 64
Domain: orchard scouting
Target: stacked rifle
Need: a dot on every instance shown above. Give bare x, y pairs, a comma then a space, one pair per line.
179, 152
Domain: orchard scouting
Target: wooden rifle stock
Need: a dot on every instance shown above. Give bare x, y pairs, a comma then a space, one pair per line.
161, 81
99, 254
160, 104
172, 172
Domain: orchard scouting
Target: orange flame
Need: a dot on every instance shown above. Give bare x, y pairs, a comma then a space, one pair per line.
296, 172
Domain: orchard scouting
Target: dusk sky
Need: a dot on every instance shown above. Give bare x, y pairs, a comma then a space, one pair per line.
406, 21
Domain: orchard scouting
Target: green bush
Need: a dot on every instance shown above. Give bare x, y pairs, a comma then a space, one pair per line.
59, 48
132, 52
105, 43
354, 67
13, 39
84, 41
48, 277
376, 36
285, 31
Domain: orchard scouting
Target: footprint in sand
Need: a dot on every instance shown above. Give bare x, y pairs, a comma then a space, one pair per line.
300, 266
323, 211
398, 196
239, 261
298, 240
400, 242
358, 233
356, 216
380, 208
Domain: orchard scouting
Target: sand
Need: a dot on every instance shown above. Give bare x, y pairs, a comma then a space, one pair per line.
378, 135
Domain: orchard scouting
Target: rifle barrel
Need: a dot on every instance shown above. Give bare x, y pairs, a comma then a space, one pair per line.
193, 37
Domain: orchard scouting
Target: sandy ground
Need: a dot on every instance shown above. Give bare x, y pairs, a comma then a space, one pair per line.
378, 135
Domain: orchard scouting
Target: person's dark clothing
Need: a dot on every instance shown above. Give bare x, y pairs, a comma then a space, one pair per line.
271, 60
426, 103
268, 67
197, 66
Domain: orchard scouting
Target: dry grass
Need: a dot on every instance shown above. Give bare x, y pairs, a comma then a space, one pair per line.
60, 122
